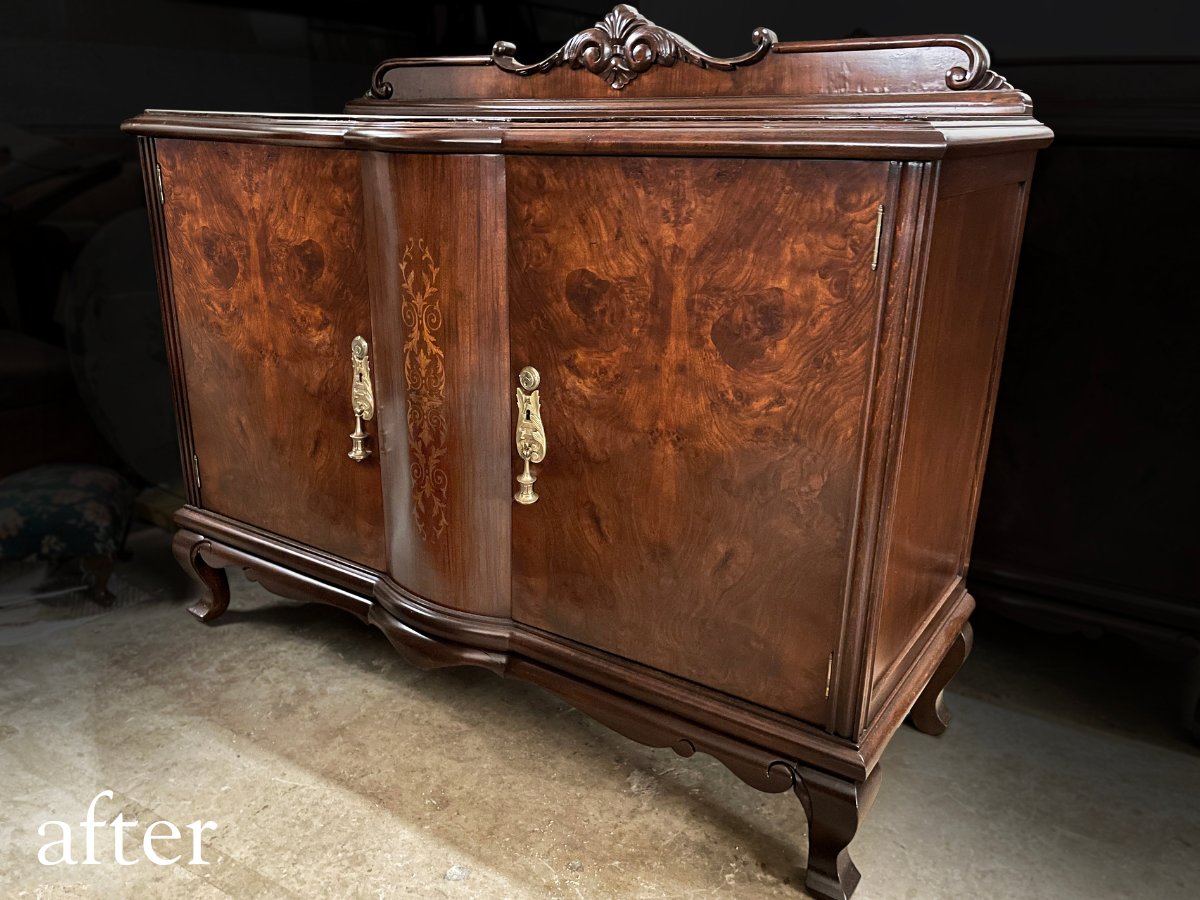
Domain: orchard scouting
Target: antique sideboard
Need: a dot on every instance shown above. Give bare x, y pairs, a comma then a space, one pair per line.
659, 380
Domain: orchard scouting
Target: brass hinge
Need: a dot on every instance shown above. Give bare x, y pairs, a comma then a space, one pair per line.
196, 469
158, 183
878, 235
829, 674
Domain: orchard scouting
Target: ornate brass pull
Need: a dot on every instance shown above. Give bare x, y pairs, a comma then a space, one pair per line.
531, 436
362, 398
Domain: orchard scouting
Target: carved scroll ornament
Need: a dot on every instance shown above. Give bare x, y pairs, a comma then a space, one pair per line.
978, 75
624, 44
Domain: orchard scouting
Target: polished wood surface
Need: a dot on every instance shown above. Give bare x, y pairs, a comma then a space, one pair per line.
930, 713
705, 332
151, 178
834, 130
958, 345
835, 808
930, 63
765, 404
265, 248
214, 584
697, 712
435, 233
901, 248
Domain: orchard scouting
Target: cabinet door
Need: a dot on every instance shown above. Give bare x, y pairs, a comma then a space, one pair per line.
270, 288
705, 334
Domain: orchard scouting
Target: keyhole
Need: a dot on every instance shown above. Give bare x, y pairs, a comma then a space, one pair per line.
527, 416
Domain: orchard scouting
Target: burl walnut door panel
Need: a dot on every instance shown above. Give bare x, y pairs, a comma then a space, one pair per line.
270, 288
705, 332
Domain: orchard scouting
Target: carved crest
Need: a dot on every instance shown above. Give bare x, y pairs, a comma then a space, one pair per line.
624, 44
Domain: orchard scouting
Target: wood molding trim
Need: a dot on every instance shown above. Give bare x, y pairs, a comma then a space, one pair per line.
433, 637
152, 183
809, 137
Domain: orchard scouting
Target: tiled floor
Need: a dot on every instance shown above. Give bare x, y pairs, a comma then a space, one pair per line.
334, 770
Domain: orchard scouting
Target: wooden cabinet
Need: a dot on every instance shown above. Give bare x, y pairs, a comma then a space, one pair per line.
680, 372
265, 258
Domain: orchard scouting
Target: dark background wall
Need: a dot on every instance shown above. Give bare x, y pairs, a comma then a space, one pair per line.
102, 62
79, 63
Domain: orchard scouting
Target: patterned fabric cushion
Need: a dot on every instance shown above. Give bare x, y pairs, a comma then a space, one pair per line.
64, 511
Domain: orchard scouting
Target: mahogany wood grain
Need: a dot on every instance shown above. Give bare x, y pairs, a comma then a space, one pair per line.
227, 542
819, 131
764, 451
901, 253
439, 306
832, 140
707, 711
705, 332
265, 247
302, 559
955, 371
702, 707
283, 581
864, 65
1010, 105
425, 652
890, 709
166, 299
654, 727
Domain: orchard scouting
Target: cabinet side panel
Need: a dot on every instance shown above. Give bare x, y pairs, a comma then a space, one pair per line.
958, 344
166, 300
436, 234
266, 246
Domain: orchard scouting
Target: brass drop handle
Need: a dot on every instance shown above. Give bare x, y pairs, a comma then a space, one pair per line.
531, 436
362, 398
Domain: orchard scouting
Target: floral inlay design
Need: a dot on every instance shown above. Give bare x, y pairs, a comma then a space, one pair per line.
425, 379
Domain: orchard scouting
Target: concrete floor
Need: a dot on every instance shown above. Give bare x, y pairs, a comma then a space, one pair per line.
334, 770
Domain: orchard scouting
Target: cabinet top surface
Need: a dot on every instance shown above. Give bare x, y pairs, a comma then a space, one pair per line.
629, 85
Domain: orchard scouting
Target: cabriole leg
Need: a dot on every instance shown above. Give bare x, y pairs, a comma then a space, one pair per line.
835, 807
214, 599
929, 714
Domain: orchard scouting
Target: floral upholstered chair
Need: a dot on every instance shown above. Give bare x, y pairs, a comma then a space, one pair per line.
67, 513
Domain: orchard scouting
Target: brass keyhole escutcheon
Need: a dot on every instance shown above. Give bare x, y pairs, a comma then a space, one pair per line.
362, 397
531, 436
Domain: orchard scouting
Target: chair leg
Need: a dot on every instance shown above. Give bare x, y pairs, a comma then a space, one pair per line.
96, 571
